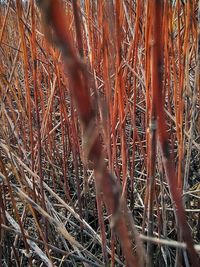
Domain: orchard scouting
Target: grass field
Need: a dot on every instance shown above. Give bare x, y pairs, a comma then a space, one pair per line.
99, 133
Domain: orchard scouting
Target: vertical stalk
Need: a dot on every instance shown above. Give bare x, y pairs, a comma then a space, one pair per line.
162, 132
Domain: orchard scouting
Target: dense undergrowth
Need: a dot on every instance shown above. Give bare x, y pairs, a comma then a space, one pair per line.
99, 133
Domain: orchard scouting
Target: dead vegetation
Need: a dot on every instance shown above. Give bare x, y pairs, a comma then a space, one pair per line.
99, 133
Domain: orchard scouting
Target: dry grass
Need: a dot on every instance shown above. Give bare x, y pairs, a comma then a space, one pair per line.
99, 133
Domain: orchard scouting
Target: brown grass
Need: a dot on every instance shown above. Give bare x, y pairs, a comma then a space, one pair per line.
99, 133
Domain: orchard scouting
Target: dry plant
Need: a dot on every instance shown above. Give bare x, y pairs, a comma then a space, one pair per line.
99, 133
